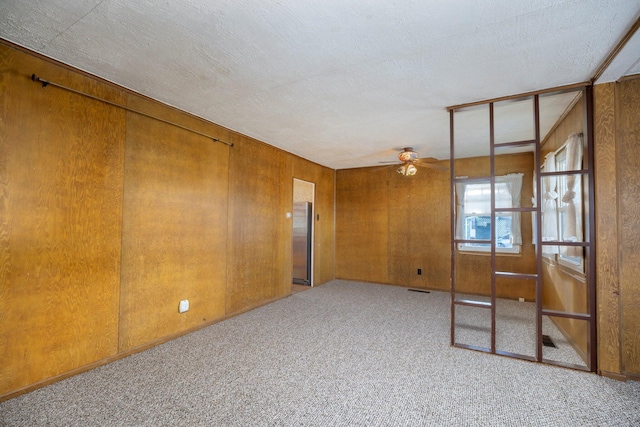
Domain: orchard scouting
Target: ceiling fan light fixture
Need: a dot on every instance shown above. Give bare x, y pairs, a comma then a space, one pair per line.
407, 170
408, 155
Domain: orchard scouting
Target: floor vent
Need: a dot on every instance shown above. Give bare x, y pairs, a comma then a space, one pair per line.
546, 341
419, 290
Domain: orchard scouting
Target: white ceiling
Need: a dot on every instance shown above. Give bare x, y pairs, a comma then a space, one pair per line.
343, 83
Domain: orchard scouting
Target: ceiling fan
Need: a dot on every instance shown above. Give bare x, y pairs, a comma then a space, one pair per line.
409, 160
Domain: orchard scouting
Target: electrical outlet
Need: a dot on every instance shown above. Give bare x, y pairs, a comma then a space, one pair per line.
521, 299
419, 272
183, 306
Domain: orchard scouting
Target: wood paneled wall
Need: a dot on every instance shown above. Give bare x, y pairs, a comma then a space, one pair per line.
362, 225
628, 159
174, 237
607, 236
109, 218
617, 154
260, 234
418, 237
60, 222
388, 226
257, 227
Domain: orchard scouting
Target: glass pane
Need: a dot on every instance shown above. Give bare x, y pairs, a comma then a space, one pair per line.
471, 142
514, 120
553, 106
565, 340
516, 316
516, 327
473, 326
562, 289
475, 298
478, 227
570, 208
473, 274
520, 159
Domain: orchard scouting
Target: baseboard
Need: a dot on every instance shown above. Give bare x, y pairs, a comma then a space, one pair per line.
613, 375
632, 377
122, 355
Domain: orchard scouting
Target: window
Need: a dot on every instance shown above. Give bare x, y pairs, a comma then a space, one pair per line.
474, 211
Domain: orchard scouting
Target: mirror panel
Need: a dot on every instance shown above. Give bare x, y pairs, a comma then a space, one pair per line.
517, 160
514, 120
473, 274
472, 143
555, 107
473, 327
563, 289
515, 319
562, 346
560, 175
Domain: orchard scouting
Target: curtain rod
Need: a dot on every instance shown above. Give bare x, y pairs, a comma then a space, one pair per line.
46, 83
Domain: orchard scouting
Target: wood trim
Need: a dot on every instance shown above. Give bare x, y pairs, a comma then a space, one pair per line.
631, 77
609, 59
613, 375
617, 120
565, 88
632, 377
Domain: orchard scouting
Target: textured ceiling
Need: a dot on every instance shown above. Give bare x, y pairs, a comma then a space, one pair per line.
340, 82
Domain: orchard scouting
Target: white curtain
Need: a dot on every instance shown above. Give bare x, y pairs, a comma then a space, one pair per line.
534, 223
549, 206
572, 227
514, 186
460, 189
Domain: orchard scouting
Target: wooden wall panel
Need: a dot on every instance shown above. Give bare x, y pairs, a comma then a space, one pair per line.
65, 302
419, 236
362, 225
174, 231
629, 193
388, 226
325, 238
61, 158
607, 239
260, 192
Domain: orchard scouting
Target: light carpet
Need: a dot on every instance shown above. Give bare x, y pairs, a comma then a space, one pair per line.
344, 353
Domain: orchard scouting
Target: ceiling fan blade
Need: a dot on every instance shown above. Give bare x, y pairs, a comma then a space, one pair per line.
393, 161
428, 160
379, 168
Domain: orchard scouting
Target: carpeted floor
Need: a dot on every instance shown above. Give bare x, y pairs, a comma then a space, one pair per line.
515, 331
344, 353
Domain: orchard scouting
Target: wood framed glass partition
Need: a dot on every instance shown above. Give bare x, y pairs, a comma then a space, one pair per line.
522, 255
